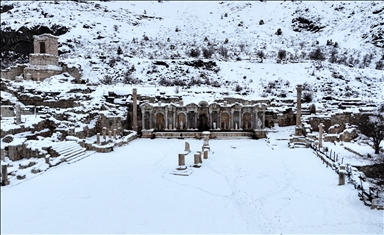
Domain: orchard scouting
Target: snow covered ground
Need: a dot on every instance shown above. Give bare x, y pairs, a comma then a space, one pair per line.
245, 186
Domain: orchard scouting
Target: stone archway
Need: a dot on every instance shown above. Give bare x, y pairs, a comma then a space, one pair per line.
159, 121
203, 122
224, 121
181, 121
247, 121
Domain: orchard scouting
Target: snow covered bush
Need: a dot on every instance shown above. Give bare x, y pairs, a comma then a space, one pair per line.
207, 52
261, 55
107, 80
307, 95
238, 88
379, 65
223, 51
281, 55
333, 56
317, 55
194, 52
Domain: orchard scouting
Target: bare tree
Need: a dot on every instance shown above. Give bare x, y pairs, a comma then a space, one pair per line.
372, 125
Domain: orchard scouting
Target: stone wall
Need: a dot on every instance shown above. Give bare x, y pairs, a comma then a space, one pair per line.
13, 71
110, 122
41, 72
7, 111
339, 119
39, 101
43, 59
286, 118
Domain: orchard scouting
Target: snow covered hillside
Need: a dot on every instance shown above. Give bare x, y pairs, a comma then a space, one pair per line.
153, 44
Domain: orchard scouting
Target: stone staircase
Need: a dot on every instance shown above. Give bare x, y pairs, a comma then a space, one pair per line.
70, 151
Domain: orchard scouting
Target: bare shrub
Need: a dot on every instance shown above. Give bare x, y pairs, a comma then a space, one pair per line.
379, 65
194, 52
107, 80
333, 57
261, 55
282, 94
238, 88
317, 55
282, 55
208, 52
307, 96
223, 51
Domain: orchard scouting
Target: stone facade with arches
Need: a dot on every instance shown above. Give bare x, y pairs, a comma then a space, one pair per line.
236, 117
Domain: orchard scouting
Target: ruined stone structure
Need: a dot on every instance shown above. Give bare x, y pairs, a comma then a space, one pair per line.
202, 117
44, 62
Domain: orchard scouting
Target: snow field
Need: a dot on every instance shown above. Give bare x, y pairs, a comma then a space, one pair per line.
245, 186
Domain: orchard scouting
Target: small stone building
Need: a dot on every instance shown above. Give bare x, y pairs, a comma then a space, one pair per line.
44, 62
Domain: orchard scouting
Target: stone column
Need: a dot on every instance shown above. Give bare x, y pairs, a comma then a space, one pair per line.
187, 147
98, 138
256, 120
104, 133
342, 174
150, 120
186, 124
231, 121
142, 118
196, 162
195, 119
166, 118
134, 110
206, 139
321, 126
210, 120
181, 159
298, 103
263, 120
252, 126
174, 118
4, 175
240, 119
110, 134
18, 114
114, 133
206, 154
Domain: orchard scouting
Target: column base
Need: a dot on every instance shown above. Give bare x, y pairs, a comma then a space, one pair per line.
298, 131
